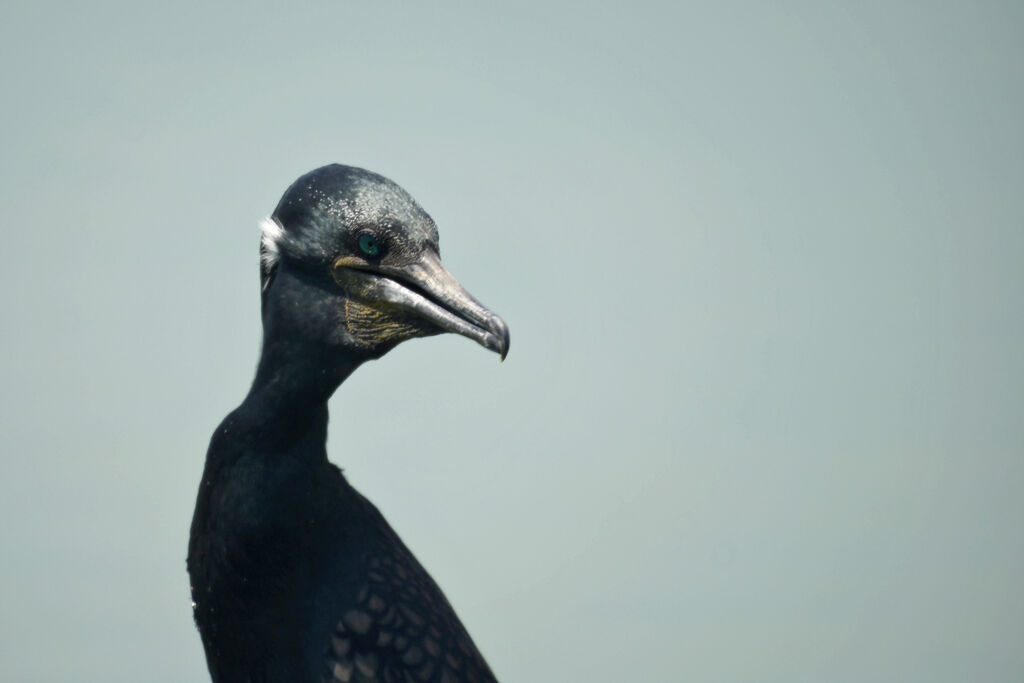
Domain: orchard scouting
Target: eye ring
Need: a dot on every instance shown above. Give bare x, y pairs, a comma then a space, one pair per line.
370, 245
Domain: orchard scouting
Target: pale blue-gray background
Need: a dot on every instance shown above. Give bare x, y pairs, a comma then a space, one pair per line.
762, 419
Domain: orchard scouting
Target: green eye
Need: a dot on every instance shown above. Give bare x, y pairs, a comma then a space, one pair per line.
369, 245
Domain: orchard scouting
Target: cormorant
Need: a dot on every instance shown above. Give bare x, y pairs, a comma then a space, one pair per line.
295, 576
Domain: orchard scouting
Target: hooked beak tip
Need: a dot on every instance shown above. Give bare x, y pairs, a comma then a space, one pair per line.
500, 330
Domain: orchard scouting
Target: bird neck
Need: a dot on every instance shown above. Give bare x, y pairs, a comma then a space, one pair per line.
287, 403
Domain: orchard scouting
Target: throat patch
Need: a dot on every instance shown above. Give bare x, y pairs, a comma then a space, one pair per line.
370, 327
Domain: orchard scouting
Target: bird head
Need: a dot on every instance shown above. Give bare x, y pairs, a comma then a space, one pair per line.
349, 259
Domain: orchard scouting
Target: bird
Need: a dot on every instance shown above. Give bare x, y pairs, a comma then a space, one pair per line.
295, 576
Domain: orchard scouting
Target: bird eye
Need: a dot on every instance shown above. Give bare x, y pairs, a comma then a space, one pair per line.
369, 245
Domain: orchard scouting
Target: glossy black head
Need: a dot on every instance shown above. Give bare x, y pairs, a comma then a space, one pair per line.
350, 260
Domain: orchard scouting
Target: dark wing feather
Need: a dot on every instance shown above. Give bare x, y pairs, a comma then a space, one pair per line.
401, 628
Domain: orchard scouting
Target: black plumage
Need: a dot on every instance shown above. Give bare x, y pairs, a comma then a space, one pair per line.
295, 576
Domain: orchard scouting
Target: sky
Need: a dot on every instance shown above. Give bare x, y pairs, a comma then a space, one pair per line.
762, 417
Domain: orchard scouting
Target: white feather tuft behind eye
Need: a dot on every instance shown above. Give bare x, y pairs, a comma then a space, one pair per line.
271, 235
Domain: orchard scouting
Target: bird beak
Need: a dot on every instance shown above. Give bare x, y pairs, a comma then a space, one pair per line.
427, 289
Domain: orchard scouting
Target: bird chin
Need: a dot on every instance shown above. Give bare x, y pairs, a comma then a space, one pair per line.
378, 330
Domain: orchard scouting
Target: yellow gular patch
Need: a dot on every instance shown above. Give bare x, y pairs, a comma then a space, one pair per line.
370, 326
